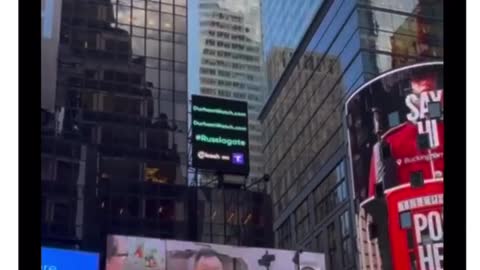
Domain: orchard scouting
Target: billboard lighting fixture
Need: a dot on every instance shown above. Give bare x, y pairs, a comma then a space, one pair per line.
416, 179
423, 141
434, 110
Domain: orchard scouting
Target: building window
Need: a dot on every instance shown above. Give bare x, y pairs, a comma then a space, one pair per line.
332, 246
158, 172
58, 212
320, 242
347, 252
180, 24
133, 206
331, 192
67, 172
301, 221
224, 93
48, 169
120, 169
117, 135
284, 235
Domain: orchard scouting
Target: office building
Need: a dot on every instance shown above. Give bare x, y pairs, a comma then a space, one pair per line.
346, 44
119, 110
231, 64
114, 133
284, 23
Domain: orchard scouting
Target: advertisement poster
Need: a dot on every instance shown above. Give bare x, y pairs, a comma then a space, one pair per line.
137, 253
63, 259
395, 143
220, 135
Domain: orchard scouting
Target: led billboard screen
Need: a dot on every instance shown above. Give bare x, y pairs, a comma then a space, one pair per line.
220, 135
63, 259
137, 253
395, 141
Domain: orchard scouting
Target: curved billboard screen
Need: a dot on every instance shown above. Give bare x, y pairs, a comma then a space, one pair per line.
395, 140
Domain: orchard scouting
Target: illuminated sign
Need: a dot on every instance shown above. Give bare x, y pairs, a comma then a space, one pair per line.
62, 259
220, 135
140, 253
395, 143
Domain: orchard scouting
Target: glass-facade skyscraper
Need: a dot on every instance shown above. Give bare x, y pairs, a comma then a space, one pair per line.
115, 116
284, 23
346, 43
230, 61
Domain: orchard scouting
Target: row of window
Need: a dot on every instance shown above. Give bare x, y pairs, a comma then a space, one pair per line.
152, 19
226, 35
234, 84
141, 3
232, 45
223, 16
228, 74
101, 16
63, 211
68, 172
154, 79
232, 65
220, 53
164, 6
223, 25
92, 41
148, 107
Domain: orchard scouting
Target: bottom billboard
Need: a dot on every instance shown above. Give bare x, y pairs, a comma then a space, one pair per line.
403, 229
138, 253
63, 259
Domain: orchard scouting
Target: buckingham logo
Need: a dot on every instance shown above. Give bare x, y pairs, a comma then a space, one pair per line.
419, 158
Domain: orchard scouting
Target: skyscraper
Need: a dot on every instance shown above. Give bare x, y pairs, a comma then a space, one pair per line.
345, 44
119, 105
231, 62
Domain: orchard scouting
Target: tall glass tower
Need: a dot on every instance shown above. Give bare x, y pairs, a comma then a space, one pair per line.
117, 91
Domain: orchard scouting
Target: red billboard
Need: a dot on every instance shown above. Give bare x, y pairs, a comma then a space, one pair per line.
395, 139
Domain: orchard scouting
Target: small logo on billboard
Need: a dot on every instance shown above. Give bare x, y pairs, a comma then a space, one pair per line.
201, 155
238, 159
399, 161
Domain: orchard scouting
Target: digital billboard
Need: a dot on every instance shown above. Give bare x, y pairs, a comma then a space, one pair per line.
396, 142
63, 259
220, 135
138, 253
